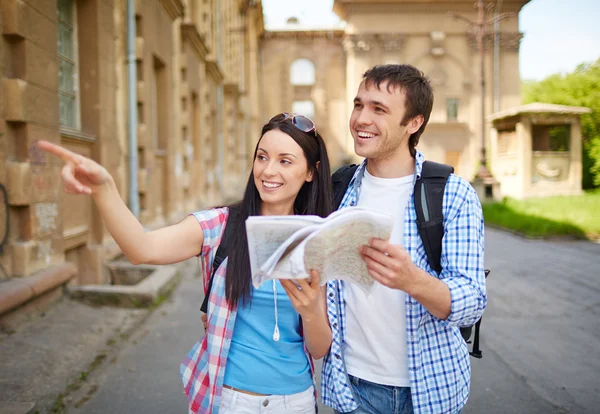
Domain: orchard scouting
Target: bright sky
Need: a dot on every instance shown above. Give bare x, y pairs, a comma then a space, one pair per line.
559, 34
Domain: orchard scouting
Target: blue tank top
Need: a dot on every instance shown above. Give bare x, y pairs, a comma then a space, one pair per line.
256, 362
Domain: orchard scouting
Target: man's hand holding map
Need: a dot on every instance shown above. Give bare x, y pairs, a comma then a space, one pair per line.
288, 247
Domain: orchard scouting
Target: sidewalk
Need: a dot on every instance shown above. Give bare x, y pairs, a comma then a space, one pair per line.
50, 356
144, 377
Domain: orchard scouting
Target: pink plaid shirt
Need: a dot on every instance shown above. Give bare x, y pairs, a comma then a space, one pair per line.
203, 369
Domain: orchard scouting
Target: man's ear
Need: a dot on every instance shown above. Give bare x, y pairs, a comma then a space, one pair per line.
310, 173
415, 123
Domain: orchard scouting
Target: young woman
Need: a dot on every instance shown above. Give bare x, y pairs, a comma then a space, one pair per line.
256, 354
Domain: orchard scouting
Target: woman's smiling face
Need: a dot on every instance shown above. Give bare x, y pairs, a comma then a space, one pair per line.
280, 170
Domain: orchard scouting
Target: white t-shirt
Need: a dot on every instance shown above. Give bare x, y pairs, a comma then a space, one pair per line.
376, 323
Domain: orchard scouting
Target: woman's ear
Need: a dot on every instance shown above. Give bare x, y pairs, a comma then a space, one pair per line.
311, 174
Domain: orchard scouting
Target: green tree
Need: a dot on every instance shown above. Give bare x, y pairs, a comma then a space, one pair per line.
578, 88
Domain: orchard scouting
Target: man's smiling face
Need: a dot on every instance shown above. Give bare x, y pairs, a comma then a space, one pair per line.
376, 122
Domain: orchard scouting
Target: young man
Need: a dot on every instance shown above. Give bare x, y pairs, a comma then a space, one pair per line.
399, 348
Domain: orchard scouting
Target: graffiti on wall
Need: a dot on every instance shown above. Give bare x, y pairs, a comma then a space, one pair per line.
36, 159
44, 251
46, 214
43, 182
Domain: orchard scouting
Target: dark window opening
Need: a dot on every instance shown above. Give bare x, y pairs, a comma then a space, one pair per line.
551, 137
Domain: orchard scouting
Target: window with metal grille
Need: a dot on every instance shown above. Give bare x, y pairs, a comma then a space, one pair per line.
452, 109
68, 79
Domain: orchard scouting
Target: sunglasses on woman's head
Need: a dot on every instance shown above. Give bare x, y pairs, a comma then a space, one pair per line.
303, 123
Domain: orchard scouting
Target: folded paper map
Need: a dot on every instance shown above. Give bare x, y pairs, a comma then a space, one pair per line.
288, 247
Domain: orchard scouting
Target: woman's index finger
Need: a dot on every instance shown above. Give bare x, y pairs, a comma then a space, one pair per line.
62, 153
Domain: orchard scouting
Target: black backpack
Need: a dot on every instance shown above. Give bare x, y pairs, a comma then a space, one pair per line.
428, 196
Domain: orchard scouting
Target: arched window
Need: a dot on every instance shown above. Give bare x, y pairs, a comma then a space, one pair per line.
306, 108
302, 72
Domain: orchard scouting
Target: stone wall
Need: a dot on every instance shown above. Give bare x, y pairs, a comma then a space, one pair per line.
188, 55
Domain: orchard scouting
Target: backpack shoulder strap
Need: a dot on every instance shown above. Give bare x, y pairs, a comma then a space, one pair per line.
428, 197
340, 181
221, 253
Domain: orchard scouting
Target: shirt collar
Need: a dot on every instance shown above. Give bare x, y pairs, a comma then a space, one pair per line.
360, 171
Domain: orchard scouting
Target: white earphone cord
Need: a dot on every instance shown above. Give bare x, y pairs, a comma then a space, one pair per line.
276, 330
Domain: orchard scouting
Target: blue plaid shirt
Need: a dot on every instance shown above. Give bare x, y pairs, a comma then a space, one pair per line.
438, 358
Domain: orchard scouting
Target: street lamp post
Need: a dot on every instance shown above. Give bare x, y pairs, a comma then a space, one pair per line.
479, 28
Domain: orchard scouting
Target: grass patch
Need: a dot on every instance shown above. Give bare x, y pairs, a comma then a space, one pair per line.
59, 405
87, 397
97, 362
572, 216
166, 294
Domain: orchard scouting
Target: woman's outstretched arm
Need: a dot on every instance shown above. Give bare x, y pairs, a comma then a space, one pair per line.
171, 244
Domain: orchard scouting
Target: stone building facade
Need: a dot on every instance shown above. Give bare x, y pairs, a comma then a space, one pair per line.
421, 33
208, 77
63, 78
304, 71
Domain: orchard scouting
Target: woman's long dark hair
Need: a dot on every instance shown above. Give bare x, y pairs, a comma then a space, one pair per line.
314, 198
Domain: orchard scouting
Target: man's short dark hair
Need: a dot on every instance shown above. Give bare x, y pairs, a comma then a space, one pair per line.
416, 86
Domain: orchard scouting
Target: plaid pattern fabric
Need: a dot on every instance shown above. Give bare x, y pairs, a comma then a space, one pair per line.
203, 369
438, 358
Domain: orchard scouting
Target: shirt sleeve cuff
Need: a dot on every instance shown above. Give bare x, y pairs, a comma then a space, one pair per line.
467, 303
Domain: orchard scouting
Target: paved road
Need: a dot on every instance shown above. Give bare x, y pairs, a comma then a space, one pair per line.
541, 328
145, 376
541, 338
